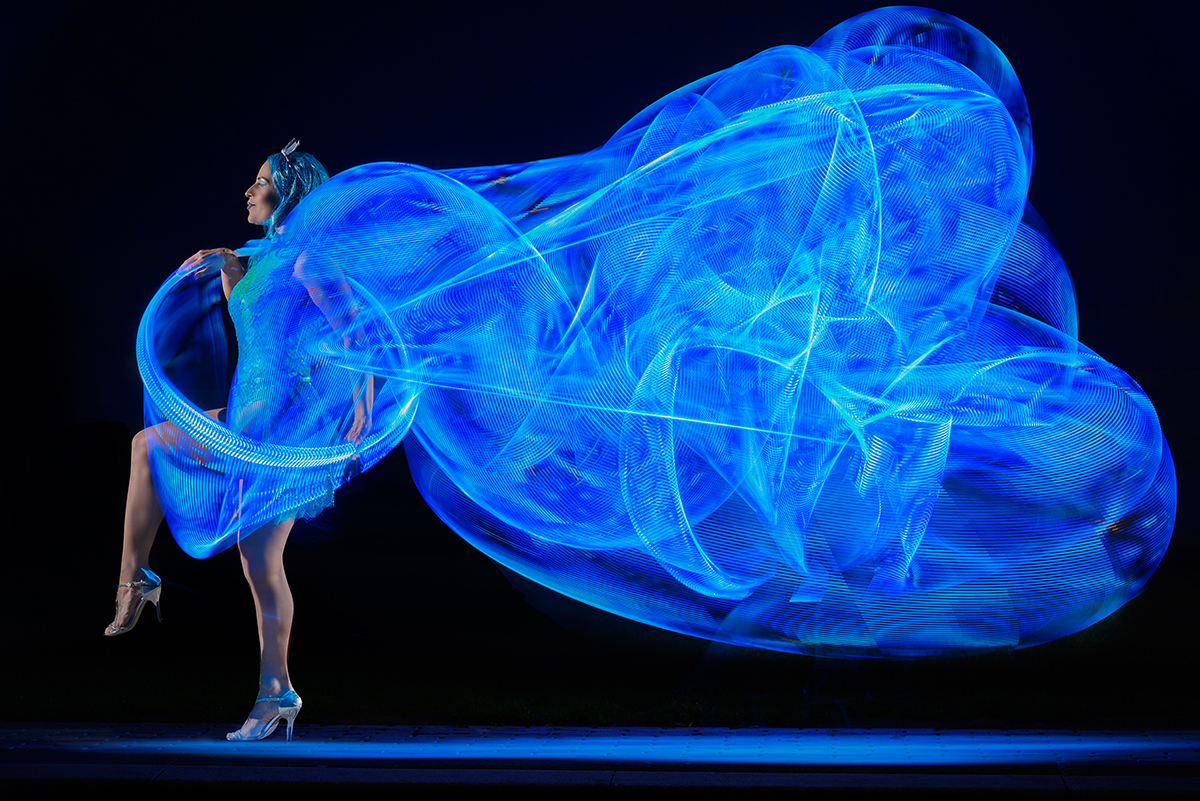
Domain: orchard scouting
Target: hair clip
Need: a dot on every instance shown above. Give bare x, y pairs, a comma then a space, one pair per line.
289, 149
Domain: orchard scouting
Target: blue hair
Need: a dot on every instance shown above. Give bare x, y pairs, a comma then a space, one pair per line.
293, 178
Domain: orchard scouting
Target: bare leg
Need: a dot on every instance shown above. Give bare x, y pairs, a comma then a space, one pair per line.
262, 561
143, 516
143, 512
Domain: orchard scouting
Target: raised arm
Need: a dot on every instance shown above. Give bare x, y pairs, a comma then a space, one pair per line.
232, 269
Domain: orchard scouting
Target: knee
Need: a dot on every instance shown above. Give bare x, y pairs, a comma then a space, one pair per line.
140, 456
258, 565
252, 563
262, 552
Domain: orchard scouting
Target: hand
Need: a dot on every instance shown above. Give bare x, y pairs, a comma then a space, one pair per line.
358, 429
229, 264
361, 424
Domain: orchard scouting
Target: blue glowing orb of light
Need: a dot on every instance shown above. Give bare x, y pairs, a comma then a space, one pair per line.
789, 362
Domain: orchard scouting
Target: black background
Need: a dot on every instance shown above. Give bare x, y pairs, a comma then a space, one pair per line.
130, 138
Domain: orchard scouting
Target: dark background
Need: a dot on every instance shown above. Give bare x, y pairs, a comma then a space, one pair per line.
130, 138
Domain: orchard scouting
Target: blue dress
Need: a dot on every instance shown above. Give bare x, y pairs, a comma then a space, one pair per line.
273, 384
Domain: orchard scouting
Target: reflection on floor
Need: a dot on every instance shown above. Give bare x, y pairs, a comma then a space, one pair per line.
1149, 761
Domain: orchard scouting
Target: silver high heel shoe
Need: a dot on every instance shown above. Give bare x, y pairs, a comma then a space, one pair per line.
151, 589
288, 708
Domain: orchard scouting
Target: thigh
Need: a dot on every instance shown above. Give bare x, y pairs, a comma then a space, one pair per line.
170, 436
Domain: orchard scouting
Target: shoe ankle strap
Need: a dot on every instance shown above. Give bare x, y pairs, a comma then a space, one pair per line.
138, 583
279, 697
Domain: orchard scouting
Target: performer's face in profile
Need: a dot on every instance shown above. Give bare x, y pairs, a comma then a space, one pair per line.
261, 198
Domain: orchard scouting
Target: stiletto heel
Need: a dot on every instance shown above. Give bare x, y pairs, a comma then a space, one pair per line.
153, 596
288, 707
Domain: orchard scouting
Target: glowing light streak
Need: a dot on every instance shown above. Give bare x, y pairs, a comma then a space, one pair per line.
789, 362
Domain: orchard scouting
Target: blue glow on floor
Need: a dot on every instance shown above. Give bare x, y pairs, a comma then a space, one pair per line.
708, 746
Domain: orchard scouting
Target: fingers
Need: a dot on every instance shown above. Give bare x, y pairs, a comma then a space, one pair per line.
231, 259
200, 255
358, 430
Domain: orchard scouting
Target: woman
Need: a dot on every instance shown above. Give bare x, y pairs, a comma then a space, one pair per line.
282, 181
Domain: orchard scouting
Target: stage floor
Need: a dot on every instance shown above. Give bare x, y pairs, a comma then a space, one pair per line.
607, 759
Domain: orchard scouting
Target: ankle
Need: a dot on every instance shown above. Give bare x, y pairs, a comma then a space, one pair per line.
140, 574
273, 686
131, 573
